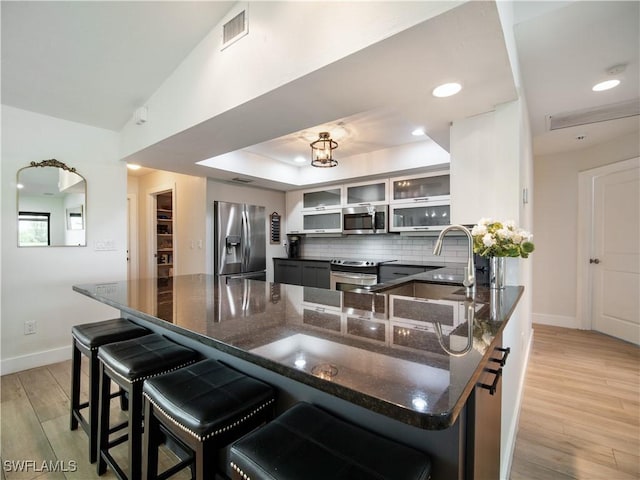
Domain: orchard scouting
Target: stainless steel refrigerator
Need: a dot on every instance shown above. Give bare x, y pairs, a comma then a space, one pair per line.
239, 241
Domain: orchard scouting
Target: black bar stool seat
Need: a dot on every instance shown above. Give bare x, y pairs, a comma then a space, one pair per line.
308, 443
86, 339
128, 364
203, 407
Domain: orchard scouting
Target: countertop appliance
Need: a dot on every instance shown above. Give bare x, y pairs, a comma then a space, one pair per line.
365, 219
348, 274
239, 241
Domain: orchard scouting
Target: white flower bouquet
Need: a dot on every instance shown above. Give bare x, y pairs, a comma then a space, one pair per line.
501, 239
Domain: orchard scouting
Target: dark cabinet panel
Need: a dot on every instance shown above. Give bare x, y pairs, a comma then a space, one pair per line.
484, 422
299, 272
287, 271
315, 274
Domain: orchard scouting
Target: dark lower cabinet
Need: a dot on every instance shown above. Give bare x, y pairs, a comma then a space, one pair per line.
300, 272
316, 274
287, 271
484, 408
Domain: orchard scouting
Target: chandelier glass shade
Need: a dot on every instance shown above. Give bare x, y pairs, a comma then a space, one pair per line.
322, 151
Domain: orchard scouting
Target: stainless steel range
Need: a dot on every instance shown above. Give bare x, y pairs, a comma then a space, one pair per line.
347, 274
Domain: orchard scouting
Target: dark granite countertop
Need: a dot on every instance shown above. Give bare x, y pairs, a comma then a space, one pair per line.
376, 350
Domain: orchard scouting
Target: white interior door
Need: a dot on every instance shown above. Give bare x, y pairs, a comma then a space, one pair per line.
615, 258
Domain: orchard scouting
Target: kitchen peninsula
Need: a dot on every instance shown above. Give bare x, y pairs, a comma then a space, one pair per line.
403, 361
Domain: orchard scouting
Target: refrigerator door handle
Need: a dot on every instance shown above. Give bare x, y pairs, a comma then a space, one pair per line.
246, 245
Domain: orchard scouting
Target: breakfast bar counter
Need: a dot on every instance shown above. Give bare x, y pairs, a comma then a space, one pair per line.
403, 361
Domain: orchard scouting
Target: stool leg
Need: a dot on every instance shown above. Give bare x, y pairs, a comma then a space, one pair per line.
103, 414
135, 430
76, 359
206, 460
94, 391
151, 443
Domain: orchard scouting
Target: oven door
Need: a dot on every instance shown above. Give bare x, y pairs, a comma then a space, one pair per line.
348, 280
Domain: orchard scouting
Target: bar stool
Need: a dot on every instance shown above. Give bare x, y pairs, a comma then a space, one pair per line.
308, 443
202, 407
128, 364
87, 338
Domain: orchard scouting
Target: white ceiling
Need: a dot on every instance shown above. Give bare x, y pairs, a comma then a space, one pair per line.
96, 62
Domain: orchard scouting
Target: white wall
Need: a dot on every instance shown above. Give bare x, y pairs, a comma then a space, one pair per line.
556, 218
272, 200
36, 282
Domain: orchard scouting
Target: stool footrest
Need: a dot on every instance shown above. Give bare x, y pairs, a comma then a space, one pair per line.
118, 441
175, 469
118, 427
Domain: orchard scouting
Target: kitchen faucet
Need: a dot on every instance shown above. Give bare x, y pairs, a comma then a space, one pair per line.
470, 270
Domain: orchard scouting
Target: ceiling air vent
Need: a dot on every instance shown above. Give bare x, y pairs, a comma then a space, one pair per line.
593, 115
235, 29
241, 180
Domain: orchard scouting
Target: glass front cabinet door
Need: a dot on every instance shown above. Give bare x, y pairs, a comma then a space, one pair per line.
322, 221
322, 199
421, 188
369, 193
420, 203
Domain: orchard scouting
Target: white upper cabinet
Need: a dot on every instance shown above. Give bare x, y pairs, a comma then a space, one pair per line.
366, 193
322, 198
294, 212
430, 187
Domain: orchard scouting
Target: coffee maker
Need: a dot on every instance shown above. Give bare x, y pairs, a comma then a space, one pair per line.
293, 246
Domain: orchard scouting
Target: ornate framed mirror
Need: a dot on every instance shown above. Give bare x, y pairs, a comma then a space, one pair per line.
52, 205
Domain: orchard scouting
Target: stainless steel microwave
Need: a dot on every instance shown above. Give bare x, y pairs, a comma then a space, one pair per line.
371, 219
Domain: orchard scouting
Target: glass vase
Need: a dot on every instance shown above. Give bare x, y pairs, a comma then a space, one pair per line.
497, 268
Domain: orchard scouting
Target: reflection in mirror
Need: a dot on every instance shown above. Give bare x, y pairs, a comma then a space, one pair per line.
51, 205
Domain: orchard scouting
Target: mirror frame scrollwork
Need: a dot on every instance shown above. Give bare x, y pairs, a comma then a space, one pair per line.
82, 208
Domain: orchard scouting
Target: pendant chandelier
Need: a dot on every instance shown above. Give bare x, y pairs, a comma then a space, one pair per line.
322, 151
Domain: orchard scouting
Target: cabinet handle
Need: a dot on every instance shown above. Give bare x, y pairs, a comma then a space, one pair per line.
318, 231
502, 361
364, 204
422, 228
494, 385
594, 260
421, 199
402, 274
320, 208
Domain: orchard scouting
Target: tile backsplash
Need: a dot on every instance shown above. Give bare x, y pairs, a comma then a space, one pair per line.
386, 247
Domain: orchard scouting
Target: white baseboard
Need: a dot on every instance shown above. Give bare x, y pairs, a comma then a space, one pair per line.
33, 360
513, 431
555, 320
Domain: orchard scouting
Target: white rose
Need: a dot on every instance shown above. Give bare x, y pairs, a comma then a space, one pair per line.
510, 224
488, 240
479, 230
504, 233
517, 238
485, 221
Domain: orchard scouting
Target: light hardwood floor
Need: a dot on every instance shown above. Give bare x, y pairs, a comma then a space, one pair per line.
580, 414
34, 414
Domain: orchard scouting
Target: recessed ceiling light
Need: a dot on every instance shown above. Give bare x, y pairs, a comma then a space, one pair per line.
418, 132
299, 159
606, 85
446, 90
133, 166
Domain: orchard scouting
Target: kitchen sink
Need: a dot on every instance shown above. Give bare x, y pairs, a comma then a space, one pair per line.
431, 291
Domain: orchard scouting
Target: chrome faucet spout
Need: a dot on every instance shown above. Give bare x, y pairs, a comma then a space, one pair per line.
469, 280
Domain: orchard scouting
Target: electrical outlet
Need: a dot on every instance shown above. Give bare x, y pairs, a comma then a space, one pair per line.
30, 327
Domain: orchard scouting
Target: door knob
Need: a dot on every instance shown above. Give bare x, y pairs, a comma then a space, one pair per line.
594, 260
